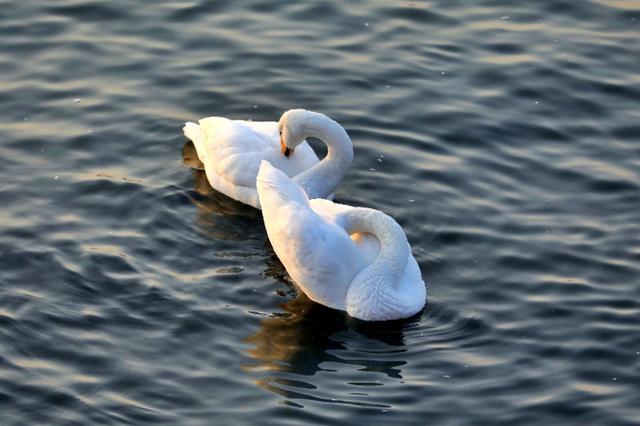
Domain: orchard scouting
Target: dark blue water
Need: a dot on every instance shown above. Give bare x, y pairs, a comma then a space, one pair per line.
503, 137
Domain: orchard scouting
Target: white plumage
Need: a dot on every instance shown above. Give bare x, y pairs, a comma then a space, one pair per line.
349, 258
231, 152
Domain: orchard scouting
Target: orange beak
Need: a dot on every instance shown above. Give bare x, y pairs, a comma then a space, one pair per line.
285, 149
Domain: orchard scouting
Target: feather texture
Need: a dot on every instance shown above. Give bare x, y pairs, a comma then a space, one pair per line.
349, 258
231, 152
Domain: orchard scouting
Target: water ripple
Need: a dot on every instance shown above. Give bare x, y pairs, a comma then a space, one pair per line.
501, 136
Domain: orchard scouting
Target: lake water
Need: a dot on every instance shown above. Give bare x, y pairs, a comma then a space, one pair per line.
503, 136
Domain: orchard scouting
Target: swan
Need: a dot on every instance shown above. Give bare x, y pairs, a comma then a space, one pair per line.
231, 152
350, 258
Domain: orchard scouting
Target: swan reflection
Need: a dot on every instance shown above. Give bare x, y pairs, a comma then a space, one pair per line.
297, 352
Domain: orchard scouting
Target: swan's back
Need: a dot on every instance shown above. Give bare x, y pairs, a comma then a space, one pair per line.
237, 147
234, 149
318, 254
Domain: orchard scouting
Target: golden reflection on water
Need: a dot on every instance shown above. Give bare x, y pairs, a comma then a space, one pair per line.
307, 338
284, 336
281, 336
307, 334
620, 4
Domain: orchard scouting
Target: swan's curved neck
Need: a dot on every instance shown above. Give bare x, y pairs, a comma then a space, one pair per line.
322, 179
394, 248
378, 291
372, 289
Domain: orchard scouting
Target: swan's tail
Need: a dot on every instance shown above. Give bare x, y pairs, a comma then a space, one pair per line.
276, 188
194, 132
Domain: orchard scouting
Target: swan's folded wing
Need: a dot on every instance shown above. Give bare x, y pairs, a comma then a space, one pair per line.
236, 149
319, 255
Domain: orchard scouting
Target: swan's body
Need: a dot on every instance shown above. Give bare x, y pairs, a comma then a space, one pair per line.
231, 152
349, 258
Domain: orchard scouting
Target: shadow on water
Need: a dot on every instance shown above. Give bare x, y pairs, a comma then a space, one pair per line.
190, 156
219, 216
311, 340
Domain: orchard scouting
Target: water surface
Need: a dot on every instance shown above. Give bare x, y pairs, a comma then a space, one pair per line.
504, 139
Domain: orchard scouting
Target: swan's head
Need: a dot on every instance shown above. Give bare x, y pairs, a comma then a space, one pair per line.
292, 128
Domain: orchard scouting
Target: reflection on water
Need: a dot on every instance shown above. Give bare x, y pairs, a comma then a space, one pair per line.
307, 339
190, 156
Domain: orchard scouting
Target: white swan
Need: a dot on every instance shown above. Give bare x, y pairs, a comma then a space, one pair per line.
350, 258
231, 151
